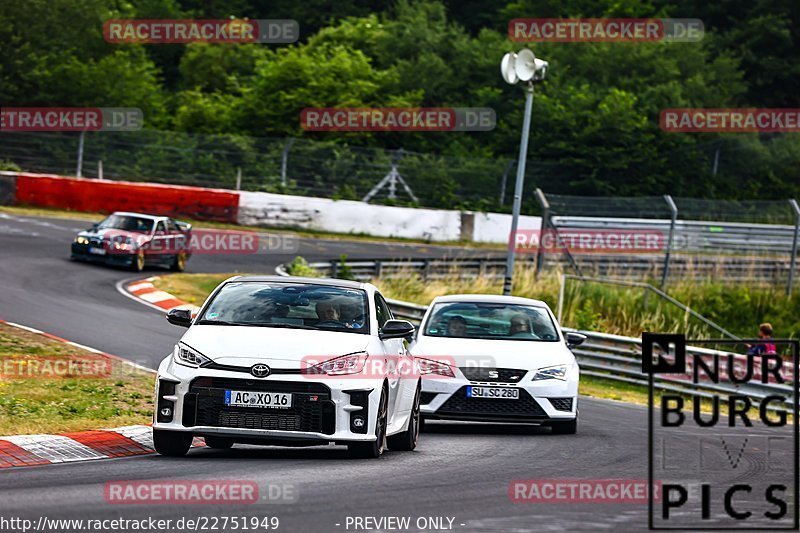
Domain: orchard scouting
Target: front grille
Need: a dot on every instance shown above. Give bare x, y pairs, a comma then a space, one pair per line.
459, 404
561, 404
427, 397
246, 369
206, 402
503, 375
256, 384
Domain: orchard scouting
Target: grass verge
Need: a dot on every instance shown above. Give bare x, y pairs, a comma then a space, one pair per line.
47, 386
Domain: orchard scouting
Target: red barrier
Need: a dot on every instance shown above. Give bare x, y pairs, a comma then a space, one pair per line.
104, 196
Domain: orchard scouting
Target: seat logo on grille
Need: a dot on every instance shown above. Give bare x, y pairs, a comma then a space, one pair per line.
260, 370
494, 374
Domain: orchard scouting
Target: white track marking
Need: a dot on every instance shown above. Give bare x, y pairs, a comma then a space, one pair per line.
54, 448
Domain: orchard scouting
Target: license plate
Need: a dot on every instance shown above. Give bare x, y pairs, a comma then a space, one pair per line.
238, 398
498, 393
97, 251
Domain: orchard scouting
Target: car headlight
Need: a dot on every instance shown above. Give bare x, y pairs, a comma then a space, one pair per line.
81, 240
183, 355
429, 366
346, 364
551, 372
124, 244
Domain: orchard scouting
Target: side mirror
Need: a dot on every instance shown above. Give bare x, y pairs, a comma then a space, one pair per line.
180, 317
574, 339
397, 329
95, 226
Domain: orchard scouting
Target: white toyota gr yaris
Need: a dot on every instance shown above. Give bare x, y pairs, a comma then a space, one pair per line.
498, 359
291, 362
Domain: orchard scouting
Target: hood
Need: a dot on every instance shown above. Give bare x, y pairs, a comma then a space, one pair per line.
118, 235
277, 347
493, 353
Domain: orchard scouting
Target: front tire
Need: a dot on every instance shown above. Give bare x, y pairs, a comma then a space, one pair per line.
373, 449
407, 440
172, 443
565, 428
137, 263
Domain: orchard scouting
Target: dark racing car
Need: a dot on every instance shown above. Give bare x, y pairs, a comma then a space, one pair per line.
135, 240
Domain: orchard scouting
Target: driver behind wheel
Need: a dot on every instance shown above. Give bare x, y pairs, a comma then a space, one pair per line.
351, 314
328, 311
520, 326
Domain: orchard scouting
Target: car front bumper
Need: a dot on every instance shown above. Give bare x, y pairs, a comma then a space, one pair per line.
324, 410
81, 253
539, 402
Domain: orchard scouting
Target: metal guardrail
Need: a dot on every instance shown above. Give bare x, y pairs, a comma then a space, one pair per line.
619, 358
427, 269
697, 267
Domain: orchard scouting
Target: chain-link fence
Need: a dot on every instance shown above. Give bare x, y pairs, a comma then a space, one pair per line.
291, 166
726, 240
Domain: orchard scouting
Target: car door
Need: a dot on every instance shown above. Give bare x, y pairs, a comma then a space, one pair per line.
160, 244
178, 241
400, 364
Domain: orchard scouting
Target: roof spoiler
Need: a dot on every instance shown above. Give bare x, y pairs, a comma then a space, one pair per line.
183, 226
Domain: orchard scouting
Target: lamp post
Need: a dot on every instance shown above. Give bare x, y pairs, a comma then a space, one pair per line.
528, 68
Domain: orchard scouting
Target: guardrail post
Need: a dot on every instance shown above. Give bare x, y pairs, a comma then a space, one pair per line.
334, 268
426, 269
504, 181
561, 291
79, 166
285, 159
542, 199
378, 268
793, 263
668, 255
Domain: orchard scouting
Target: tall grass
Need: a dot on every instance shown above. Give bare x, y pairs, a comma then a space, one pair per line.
621, 310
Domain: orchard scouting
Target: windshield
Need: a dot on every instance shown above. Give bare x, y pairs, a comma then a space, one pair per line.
127, 223
290, 305
500, 321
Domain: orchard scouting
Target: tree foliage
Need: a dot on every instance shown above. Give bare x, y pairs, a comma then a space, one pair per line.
596, 118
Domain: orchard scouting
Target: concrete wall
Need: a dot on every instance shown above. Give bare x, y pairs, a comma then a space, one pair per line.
347, 216
257, 208
494, 227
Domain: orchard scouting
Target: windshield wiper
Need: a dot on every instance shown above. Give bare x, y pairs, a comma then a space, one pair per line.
253, 324
290, 326
205, 322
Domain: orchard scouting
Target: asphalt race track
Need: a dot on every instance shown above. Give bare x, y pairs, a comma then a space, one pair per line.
458, 471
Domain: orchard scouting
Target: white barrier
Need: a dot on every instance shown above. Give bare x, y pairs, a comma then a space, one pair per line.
494, 227
347, 216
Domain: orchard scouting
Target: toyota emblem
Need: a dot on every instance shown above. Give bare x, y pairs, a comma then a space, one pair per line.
260, 370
